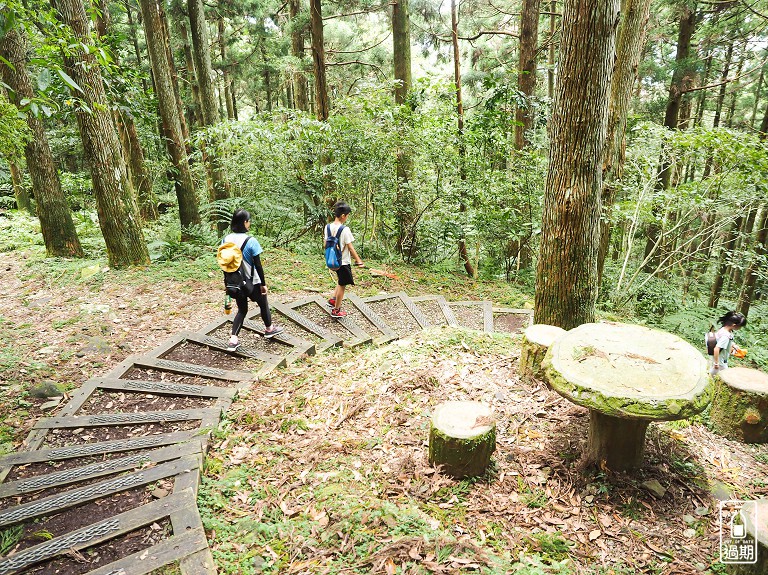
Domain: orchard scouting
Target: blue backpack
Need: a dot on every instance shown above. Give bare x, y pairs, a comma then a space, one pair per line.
332, 249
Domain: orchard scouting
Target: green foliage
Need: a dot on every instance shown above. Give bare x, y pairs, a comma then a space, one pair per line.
14, 132
9, 537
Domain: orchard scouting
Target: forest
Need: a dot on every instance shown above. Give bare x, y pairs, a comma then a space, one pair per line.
487, 138
567, 161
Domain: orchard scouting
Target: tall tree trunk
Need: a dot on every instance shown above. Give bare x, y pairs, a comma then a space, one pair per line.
202, 55
300, 100
23, 201
405, 200
526, 72
551, 59
195, 112
735, 90
566, 277
629, 46
750, 276
681, 73
747, 232
723, 87
322, 108
701, 104
401, 46
225, 70
463, 255
758, 93
140, 176
764, 125
115, 200
728, 244
267, 73
133, 151
58, 229
135, 40
174, 74
169, 111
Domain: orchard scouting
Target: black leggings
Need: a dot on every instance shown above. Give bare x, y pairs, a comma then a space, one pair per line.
242, 309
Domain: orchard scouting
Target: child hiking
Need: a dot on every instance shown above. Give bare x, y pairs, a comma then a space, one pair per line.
724, 346
229, 257
341, 211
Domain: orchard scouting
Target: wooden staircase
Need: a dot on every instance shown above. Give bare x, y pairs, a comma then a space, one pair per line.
111, 480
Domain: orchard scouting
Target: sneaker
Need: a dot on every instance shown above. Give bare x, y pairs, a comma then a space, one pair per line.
332, 302
338, 313
232, 346
273, 330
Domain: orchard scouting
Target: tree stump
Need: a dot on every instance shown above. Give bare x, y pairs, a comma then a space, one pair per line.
462, 437
757, 531
536, 341
740, 405
627, 375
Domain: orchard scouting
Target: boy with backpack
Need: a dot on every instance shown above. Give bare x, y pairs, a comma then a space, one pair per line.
337, 230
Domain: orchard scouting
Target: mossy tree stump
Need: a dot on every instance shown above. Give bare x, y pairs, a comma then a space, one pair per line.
740, 405
758, 532
536, 341
462, 437
628, 376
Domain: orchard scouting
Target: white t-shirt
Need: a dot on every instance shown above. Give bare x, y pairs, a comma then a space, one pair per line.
346, 238
724, 342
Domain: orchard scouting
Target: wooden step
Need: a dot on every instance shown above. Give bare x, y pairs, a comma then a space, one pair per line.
399, 312
436, 309
266, 361
316, 309
511, 320
474, 314
374, 324
301, 327
290, 347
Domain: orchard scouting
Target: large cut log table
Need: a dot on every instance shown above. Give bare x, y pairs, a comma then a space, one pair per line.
627, 375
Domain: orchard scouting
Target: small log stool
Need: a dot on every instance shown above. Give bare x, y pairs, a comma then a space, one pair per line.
627, 375
740, 405
758, 531
462, 437
536, 341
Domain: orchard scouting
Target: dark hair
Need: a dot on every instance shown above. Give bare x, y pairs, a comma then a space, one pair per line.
341, 208
238, 221
733, 318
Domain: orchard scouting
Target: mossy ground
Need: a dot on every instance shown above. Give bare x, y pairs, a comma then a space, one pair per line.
321, 468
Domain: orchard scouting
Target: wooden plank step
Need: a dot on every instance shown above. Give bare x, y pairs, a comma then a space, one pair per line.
192, 369
511, 320
74, 497
268, 360
283, 344
322, 338
373, 323
90, 449
316, 309
399, 311
97, 532
160, 387
209, 417
436, 309
407, 302
474, 314
98, 469
163, 553
183, 368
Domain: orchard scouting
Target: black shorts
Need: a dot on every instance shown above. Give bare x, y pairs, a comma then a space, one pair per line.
345, 275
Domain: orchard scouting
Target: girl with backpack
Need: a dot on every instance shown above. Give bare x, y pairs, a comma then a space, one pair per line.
251, 262
724, 346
